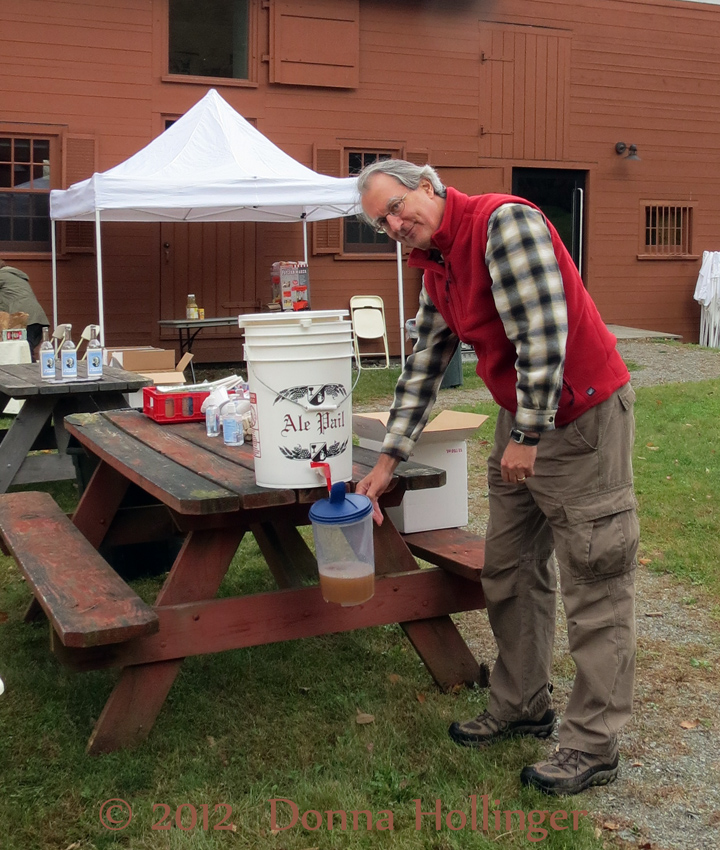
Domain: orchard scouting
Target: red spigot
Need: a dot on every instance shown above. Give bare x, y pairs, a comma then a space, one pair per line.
326, 472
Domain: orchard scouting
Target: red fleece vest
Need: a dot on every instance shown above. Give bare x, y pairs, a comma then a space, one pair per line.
461, 292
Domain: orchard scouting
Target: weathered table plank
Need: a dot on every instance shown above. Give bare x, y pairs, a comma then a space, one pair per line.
184, 491
217, 625
173, 443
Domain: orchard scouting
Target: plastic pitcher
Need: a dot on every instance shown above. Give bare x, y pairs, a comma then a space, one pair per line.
343, 532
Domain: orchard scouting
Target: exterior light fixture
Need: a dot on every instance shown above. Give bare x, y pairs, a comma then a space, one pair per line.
621, 147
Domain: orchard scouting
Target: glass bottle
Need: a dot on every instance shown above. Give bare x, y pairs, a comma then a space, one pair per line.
94, 355
68, 355
191, 310
47, 357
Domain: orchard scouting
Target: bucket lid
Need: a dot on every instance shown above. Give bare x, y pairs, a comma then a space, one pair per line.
300, 317
341, 508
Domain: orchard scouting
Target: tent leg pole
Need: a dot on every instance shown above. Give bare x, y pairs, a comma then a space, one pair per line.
401, 302
54, 272
101, 304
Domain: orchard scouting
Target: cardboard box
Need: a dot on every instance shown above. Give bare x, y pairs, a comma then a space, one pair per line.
442, 444
141, 359
158, 364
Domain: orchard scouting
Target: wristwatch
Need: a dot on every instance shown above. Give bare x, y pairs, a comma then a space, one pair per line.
522, 437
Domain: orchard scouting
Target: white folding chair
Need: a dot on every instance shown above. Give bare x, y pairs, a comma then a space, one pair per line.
367, 313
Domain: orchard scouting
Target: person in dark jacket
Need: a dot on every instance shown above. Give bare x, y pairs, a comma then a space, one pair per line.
16, 296
496, 275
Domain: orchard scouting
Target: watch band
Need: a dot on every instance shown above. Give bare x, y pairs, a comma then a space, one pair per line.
522, 437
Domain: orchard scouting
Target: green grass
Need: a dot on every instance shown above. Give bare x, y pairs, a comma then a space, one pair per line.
279, 721
374, 385
677, 479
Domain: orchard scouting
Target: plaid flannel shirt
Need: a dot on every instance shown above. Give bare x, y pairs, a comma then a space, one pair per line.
529, 296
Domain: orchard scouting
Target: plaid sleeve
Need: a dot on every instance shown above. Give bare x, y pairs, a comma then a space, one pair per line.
530, 298
418, 386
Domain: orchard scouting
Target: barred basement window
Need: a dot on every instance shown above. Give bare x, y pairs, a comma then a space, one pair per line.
666, 230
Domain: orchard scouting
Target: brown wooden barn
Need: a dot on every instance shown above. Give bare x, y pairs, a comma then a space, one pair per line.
604, 112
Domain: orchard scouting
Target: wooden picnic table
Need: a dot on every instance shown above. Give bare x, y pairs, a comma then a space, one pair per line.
45, 400
207, 492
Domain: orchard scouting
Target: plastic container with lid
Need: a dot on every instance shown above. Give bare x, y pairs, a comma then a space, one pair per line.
343, 533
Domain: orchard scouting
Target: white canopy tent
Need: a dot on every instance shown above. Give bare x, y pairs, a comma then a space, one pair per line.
210, 165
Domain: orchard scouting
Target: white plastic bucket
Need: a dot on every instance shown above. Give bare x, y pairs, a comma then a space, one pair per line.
300, 378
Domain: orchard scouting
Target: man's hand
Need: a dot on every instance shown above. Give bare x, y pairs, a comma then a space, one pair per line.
376, 483
518, 462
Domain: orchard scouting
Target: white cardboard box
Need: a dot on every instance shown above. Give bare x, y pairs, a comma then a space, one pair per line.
442, 444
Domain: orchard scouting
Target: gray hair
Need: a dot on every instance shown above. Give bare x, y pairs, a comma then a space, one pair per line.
407, 173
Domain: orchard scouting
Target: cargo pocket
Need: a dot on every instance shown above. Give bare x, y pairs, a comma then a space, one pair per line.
602, 534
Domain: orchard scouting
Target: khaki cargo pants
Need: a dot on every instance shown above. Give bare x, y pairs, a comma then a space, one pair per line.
581, 504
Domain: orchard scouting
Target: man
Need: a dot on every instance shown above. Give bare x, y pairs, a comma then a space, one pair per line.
497, 275
16, 296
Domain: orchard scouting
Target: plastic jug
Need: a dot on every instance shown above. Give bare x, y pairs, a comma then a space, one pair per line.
343, 532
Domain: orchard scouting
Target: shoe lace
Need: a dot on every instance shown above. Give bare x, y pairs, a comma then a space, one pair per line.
562, 755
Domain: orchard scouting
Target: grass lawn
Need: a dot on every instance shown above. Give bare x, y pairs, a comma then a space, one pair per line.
341, 723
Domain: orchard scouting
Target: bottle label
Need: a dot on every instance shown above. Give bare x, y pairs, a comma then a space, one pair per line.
69, 363
94, 363
230, 431
47, 365
191, 313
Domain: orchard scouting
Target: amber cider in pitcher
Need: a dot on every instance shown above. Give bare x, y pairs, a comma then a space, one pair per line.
347, 583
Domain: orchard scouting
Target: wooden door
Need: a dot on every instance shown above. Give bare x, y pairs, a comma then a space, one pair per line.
215, 261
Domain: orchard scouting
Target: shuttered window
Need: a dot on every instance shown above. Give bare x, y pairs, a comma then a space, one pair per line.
350, 236
666, 230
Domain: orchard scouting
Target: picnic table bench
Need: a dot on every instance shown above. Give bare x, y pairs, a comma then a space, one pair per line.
86, 601
207, 492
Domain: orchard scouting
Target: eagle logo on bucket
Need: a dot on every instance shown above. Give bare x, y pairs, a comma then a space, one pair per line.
316, 452
315, 395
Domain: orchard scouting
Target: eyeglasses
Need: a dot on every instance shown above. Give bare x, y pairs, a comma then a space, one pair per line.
395, 207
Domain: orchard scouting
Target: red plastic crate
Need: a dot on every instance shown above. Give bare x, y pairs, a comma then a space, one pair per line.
175, 406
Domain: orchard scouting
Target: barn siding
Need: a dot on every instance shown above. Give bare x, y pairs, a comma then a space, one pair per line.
583, 76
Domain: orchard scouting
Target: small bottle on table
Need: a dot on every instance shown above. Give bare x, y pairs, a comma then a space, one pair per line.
94, 355
47, 357
191, 309
68, 355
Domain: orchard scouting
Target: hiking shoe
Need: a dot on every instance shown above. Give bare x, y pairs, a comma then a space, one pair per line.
570, 772
486, 729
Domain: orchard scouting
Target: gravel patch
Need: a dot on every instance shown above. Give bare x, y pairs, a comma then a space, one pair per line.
651, 362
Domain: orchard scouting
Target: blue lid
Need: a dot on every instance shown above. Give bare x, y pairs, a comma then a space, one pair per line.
341, 507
